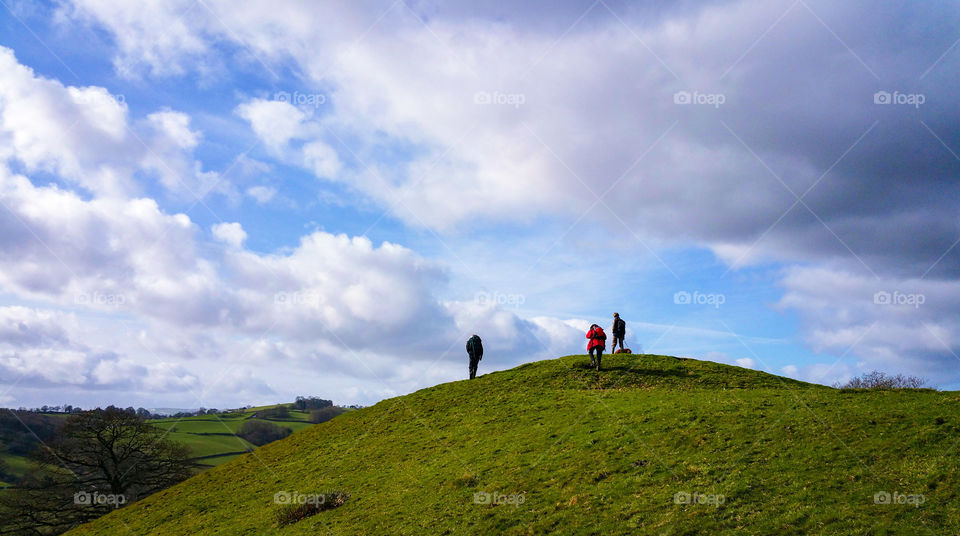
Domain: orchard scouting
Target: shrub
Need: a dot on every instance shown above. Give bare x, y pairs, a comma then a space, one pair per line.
291, 513
279, 412
260, 432
879, 380
325, 414
312, 402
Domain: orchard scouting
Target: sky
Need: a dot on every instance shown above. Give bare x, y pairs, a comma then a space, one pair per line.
219, 203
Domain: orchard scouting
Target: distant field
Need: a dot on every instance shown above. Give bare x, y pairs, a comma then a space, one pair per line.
211, 437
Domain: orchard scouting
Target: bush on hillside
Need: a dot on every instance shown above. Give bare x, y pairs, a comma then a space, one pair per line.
260, 433
879, 380
312, 402
291, 513
325, 414
279, 412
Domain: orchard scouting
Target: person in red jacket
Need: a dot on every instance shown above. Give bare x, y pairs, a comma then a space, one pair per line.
596, 344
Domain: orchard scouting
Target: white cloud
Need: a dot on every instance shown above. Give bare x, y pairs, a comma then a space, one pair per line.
84, 136
274, 122
229, 233
895, 324
321, 159
152, 35
262, 194
176, 127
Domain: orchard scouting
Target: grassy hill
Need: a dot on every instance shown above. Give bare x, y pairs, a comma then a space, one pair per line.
650, 445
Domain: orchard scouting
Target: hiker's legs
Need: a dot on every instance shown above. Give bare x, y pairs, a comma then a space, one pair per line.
593, 361
473, 368
599, 354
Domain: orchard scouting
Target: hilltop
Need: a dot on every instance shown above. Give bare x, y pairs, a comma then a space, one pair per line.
650, 445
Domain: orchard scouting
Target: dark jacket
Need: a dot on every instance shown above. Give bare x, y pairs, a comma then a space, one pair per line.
475, 347
619, 327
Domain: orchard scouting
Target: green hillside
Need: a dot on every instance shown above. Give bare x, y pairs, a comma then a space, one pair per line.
650, 445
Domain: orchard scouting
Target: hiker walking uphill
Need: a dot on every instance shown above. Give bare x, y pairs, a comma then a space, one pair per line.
619, 330
597, 342
475, 351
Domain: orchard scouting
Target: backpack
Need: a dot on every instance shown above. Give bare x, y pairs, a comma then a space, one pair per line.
619, 326
475, 347
599, 334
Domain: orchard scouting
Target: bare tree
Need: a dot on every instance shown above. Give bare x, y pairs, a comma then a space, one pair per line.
879, 380
100, 460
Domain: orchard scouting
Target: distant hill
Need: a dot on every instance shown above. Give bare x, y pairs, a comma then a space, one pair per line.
213, 439
649, 445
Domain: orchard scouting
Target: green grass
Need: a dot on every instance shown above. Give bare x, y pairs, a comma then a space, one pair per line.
19, 466
593, 453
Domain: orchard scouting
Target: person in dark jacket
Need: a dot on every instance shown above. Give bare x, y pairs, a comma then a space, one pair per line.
619, 331
597, 342
475, 351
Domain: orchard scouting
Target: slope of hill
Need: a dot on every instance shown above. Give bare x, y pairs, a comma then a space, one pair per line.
650, 445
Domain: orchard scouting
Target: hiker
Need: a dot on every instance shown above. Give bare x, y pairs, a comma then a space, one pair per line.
619, 330
597, 343
475, 351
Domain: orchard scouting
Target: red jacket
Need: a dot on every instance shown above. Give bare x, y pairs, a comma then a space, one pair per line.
597, 338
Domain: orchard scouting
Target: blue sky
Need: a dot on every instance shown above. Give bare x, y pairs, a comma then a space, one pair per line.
228, 203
